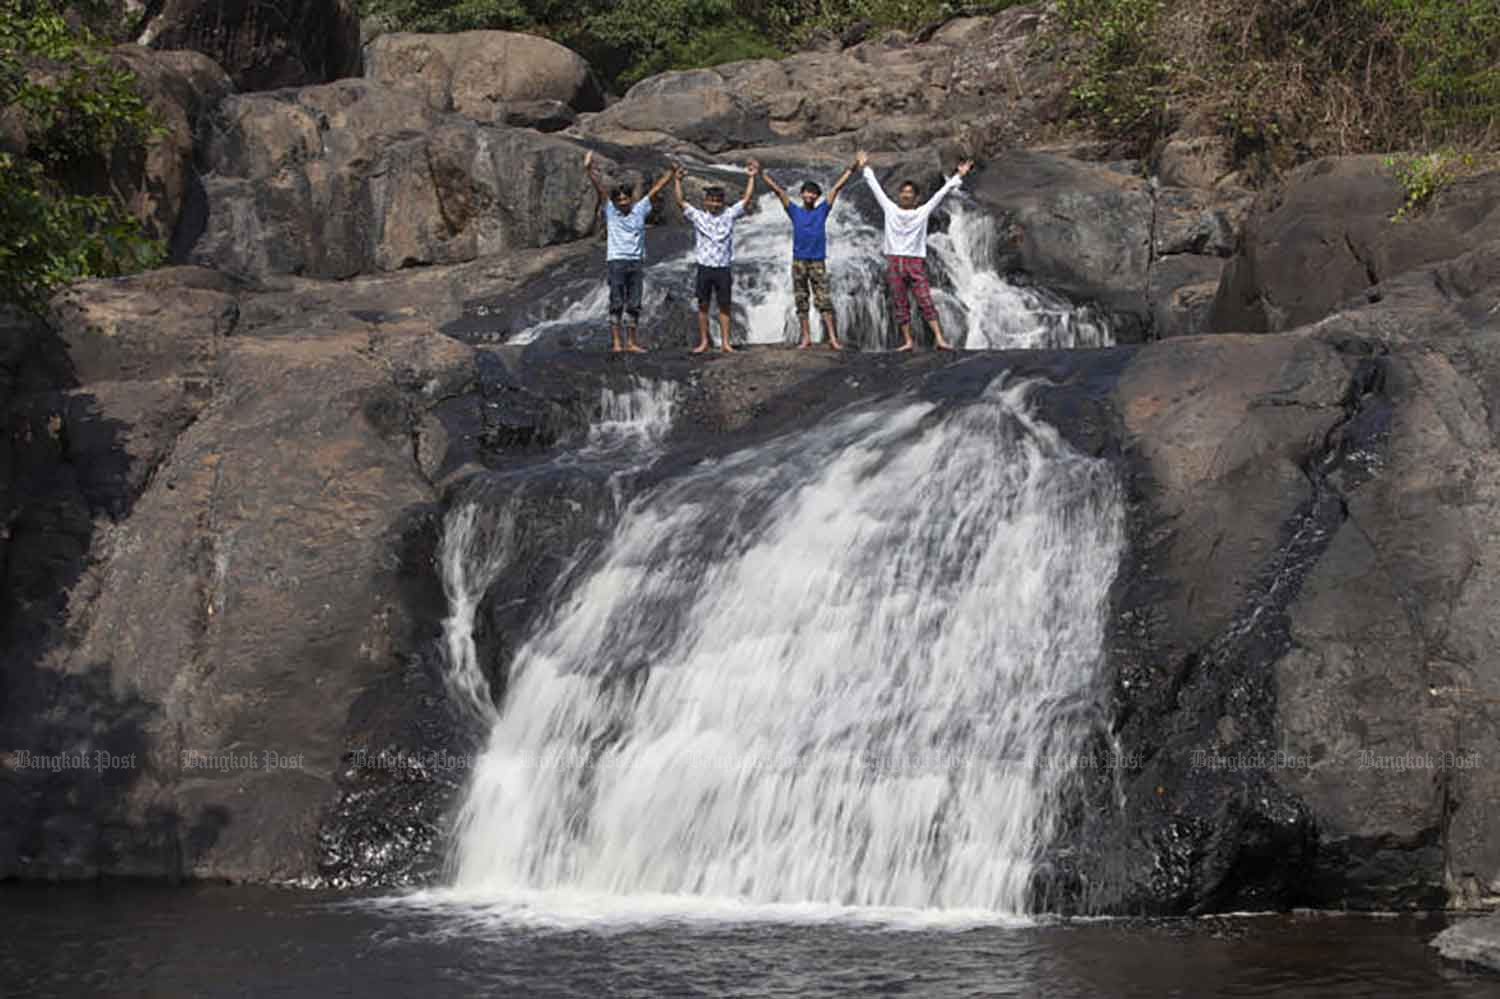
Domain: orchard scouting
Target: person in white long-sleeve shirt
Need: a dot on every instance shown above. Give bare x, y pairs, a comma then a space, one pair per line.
906, 248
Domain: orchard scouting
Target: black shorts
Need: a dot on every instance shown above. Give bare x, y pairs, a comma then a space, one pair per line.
715, 281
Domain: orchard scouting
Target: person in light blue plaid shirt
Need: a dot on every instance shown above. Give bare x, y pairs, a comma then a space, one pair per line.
713, 248
625, 253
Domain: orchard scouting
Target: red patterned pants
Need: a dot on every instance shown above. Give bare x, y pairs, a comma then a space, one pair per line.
901, 272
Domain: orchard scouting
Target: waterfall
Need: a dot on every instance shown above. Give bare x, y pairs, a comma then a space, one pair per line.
846, 666
978, 307
479, 540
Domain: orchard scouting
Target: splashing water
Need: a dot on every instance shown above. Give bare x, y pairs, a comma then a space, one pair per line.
840, 668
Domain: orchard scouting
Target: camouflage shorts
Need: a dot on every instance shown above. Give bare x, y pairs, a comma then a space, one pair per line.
811, 274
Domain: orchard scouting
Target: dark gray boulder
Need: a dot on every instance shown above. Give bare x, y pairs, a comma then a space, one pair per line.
355, 177
1473, 941
479, 73
261, 44
1325, 235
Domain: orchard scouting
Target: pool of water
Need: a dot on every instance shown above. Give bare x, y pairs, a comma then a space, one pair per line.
130, 940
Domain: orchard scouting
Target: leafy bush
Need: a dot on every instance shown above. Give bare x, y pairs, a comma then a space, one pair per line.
1287, 79
76, 111
1124, 77
1424, 176
1454, 50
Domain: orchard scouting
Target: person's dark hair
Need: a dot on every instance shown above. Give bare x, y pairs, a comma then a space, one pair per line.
620, 191
813, 187
911, 184
713, 192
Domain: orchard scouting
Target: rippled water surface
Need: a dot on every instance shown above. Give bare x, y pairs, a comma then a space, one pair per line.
220, 941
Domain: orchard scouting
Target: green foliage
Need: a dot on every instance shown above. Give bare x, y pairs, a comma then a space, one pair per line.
1454, 49
456, 15
76, 109
1125, 77
49, 237
1424, 176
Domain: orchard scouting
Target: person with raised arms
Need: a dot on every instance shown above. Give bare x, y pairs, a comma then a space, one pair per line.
810, 252
906, 247
625, 253
714, 249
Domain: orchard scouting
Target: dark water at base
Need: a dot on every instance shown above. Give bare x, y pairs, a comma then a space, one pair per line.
220, 941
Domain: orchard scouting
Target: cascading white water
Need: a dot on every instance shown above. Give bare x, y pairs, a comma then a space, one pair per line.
478, 542
847, 666
473, 551
980, 310
636, 418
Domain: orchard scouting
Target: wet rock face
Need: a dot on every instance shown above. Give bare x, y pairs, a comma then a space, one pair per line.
1149, 255
261, 44
1299, 687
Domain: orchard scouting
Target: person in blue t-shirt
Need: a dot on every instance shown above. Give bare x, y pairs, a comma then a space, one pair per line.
810, 253
625, 258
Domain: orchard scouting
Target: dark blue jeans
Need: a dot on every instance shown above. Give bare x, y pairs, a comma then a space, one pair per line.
625, 290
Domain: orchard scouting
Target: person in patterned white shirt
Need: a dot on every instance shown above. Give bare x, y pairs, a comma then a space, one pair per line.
714, 249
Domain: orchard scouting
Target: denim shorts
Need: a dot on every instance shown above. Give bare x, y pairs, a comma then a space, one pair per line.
625, 289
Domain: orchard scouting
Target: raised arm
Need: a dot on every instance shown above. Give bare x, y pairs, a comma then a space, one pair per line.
593, 172
964, 167
862, 161
677, 172
752, 169
661, 182
776, 189
838, 185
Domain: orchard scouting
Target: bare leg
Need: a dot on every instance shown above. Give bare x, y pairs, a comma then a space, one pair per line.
806, 333
724, 332
830, 331
614, 337
702, 329
630, 341
937, 334
907, 343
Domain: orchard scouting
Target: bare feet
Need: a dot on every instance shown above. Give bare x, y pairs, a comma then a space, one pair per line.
835, 345
701, 347
726, 348
944, 345
908, 345
804, 345
635, 348
615, 347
